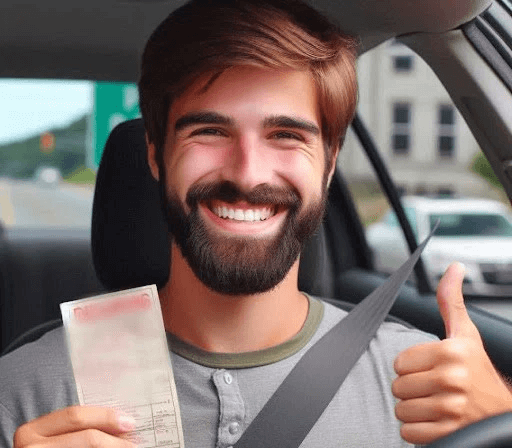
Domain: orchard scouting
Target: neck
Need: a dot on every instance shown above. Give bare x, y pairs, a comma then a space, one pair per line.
230, 324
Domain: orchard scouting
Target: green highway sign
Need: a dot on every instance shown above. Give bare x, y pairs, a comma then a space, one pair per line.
114, 102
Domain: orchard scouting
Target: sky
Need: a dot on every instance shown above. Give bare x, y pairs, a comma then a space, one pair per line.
31, 107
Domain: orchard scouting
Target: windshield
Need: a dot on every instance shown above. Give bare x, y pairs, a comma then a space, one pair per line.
466, 224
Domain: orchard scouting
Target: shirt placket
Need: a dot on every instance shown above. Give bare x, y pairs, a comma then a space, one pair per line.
232, 408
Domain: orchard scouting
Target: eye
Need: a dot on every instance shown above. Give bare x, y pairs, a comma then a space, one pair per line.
214, 132
287, 135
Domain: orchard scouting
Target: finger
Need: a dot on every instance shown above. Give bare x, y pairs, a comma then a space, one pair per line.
416, 410
89, 438
440, 380
431, 409
415, 385
417, 358
451, 302
78, 418
426, 432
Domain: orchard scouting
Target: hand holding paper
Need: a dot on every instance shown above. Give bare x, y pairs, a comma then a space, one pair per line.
120, 360
448, 384
76, 426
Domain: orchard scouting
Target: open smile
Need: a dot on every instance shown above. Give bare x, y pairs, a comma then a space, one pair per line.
243, 217
248, 215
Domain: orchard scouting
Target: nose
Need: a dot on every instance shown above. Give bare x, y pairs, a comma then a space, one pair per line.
249, 163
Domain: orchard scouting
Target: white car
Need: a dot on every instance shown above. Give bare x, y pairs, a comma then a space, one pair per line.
476, 232
48, 176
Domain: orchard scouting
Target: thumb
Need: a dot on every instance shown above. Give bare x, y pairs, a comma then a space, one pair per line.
451, 302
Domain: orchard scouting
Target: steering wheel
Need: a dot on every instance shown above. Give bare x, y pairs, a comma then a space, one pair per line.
493, 432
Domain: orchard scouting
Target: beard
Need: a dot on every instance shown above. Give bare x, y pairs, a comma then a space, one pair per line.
241, 265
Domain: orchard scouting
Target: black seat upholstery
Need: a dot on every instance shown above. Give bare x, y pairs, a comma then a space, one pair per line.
39, 268
129, 235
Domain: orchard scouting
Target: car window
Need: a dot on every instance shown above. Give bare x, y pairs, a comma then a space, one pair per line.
51, 138
391, 219
432, 156
459, 225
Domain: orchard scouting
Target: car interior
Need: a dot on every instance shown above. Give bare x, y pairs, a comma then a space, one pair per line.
467, 43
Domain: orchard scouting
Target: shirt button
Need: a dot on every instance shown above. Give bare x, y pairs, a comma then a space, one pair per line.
234, 428
228, 378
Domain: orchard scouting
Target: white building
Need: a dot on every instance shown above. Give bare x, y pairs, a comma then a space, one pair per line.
424, 140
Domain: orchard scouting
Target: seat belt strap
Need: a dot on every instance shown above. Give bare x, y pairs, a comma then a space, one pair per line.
290, 413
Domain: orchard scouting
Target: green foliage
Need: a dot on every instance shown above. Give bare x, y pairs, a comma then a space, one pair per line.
21, 159
481, 166
81, 175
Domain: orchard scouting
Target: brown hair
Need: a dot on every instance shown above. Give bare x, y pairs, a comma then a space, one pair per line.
209, 36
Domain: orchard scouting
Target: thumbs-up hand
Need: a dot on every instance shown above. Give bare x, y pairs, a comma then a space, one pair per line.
448, 384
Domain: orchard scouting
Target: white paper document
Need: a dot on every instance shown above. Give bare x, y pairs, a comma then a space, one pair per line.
120, 359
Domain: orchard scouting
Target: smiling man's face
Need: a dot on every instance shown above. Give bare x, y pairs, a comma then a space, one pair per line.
244, 173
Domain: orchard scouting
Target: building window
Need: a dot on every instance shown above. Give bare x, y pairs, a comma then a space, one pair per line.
446, 114
402, 63
401, 136
446, 131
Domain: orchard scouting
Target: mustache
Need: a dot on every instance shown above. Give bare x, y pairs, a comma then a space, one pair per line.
230, 192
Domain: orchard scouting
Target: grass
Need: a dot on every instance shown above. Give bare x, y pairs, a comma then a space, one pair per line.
82, 175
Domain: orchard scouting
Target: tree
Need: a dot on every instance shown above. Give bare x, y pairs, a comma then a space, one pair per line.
481, 166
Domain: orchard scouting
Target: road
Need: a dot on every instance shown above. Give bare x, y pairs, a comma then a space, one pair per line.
31, 204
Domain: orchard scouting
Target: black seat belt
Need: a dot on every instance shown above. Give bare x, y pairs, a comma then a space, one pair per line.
296, 405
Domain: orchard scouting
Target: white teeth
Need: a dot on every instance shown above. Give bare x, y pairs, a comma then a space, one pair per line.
241, 215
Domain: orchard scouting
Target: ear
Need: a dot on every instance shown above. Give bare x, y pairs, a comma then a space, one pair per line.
153, 165
333, 165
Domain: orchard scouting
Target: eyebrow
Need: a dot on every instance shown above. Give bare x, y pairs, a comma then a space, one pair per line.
284, 121
193, 118
291, 123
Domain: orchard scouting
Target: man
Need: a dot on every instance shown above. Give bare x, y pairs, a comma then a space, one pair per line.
245, 105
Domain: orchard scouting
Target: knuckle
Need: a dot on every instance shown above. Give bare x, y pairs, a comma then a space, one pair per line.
455, 378
439, 409
448, 350
74, 416
459, 405
93, 438
453, 406
457, 350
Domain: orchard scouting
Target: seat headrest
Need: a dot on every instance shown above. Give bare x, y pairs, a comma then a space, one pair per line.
129, 239
130, 242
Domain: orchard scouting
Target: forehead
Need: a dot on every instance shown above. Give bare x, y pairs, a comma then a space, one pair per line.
243, 92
